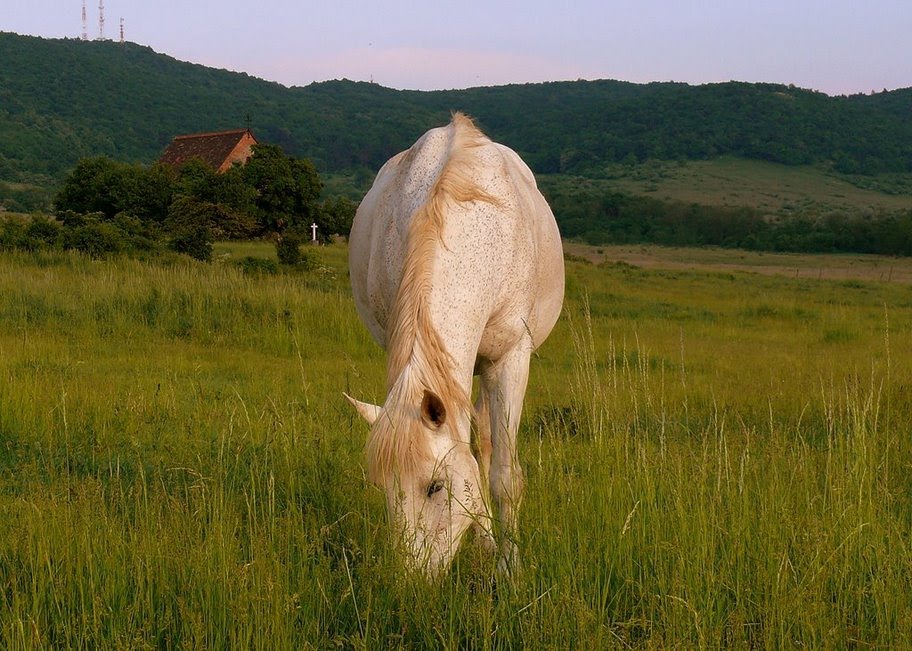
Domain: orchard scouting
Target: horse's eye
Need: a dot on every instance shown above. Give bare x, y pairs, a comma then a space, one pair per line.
434, 487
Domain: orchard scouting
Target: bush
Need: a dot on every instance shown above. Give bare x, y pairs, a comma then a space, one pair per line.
97, 239
190, 224
308, 260
90, 234
12, 235
252, 265
288, 248
43, 231
137, 235
197, 243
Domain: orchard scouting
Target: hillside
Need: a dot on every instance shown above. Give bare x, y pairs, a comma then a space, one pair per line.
729, 182
65, 99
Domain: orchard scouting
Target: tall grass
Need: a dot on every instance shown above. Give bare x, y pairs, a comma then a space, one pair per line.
711, 461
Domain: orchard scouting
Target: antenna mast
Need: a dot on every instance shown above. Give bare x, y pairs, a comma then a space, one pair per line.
100, 20
85, 23
121, 31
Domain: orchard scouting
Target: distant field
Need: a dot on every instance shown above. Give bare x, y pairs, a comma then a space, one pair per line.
713, 459
728, 181
795, 265
23, 197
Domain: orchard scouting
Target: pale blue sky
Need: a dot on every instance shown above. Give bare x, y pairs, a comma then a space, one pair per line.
836, 46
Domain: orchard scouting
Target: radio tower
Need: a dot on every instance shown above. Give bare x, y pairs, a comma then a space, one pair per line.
100, 20
85, 23
121, 30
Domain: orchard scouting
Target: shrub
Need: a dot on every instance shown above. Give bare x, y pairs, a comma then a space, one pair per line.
252, 265
288, 248
43, 231
196, 242
97, 239
308, 260
12, 235
190, 224
137, 236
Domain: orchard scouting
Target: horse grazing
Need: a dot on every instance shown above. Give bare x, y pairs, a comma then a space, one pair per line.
457, 270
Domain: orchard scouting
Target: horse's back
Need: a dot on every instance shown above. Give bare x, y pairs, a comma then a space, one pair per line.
499, 263
548, 258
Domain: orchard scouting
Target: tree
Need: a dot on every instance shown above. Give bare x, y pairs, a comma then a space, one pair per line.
190, 224
94, 185
229, 200
287, 189
197, 179
336, 216
288, 247
109, 187
273, 192
155, 193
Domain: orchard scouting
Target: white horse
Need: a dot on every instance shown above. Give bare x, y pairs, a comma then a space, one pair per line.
457, 270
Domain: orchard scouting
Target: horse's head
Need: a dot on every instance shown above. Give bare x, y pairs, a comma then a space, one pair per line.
418, 452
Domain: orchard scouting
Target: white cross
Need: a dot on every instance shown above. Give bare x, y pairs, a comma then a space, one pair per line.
313, 227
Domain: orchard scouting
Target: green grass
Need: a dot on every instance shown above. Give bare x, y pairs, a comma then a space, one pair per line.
769, 187
712, 459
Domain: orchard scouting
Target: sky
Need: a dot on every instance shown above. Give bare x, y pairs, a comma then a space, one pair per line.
835, 46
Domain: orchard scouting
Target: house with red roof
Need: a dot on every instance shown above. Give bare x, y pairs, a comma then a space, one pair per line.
219, 150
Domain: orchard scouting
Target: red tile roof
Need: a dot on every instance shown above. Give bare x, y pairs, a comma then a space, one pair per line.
213, 148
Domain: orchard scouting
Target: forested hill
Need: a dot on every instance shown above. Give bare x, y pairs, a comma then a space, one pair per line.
61, 100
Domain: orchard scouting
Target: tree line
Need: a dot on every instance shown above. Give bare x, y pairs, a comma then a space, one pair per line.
105, 205
72, 113
608, 217
61, 100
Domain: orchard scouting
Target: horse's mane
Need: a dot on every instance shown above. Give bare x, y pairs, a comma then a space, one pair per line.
418, 359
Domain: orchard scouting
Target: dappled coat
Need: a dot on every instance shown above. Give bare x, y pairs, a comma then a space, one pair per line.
457, 270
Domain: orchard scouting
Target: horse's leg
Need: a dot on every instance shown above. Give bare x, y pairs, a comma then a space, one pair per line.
506, 383
483, 529
483, 426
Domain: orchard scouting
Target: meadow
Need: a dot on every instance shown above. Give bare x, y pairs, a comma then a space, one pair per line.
713, 458
772, 188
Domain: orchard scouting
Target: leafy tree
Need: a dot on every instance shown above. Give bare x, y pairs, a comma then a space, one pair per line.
110, 187
24, 198
95, 185
197, 243
190, 225
231, 189
228, 200
197, 179
336, 216
287, 189
154, 194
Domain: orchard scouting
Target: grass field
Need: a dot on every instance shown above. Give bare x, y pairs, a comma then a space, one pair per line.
713, 458
769, 187
837, 266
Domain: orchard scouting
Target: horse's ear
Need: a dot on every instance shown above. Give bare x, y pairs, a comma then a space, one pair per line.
433, 413
368, 412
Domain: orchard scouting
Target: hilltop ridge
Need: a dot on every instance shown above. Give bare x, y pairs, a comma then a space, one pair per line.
62, 99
